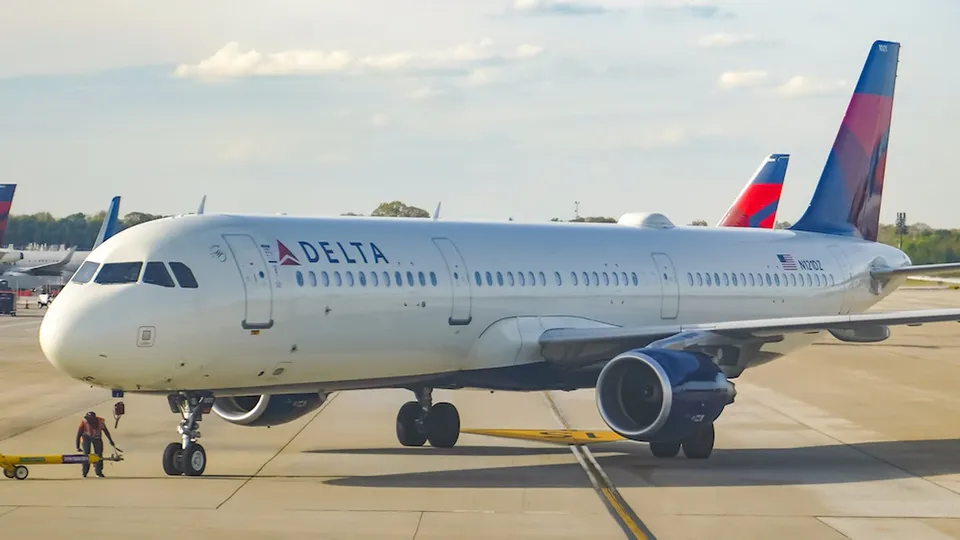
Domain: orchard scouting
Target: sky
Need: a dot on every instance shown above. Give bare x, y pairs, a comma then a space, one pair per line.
500, 108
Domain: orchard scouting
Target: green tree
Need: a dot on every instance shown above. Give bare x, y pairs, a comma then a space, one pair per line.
699, 223
781, 225
399, 209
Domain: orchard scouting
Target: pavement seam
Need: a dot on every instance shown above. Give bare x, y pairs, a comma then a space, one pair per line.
618, 507
320, 409
852, 446
417, 530
831, 527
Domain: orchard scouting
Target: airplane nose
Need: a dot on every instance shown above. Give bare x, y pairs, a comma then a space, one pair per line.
67, 338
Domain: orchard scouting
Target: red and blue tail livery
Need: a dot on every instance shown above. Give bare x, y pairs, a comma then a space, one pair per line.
6, 201
756, 206
847, 199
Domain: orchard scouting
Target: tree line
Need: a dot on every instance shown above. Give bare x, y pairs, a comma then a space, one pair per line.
922, 243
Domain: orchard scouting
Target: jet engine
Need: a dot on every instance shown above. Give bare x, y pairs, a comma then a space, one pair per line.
656, 395
266, 410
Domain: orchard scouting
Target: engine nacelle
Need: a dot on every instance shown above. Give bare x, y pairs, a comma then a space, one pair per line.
266, 409
661, 394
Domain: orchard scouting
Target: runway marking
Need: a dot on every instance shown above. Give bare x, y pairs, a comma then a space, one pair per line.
320, 409
558, 436
615, 503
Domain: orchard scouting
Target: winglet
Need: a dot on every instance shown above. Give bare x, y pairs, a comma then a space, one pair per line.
6, 201
203, 202
110, 222
847, 199
757, 204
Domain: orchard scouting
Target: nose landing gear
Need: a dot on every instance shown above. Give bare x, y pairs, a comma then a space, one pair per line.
187, 457
421, 421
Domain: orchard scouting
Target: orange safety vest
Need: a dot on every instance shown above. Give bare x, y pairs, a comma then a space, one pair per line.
90, 431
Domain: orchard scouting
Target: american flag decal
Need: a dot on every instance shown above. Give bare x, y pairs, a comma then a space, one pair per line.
787, 261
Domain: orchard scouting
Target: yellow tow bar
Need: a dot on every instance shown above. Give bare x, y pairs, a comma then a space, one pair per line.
13, 466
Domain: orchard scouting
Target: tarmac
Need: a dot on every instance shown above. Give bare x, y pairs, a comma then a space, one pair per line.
856, 441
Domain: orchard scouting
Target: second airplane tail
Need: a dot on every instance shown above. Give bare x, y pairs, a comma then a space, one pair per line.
757, 204
847, 199
6, 201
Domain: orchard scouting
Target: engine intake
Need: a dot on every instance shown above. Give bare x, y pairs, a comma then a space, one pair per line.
266, 409
661, 394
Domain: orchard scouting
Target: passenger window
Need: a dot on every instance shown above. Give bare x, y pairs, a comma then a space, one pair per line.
708, 279
422, 278
793, 280
489, 279
557, 278
476, 277
510, 278
699, 279
633, 277
726, 280
398, 279
350, 278
500, 279
363, 278
85, 272
337, 280
299, 278
573, 278
313, 278
769, 281
433, 279
374, 280
596, 279
586, 279
716, 279
733, 276
616, 279
325, 278
409, 278
752, 282
521, 279
690, 279
543, 279
831, 280
386, 278
823, 279
114, 273
623, 278
776, 279
817, 279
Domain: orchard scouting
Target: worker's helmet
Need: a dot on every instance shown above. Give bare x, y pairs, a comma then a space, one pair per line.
91, 415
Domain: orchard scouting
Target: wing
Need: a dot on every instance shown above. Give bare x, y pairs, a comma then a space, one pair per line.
48, 269
575, 347
916, 270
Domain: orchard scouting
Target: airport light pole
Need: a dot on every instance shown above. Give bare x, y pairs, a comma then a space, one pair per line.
901, 227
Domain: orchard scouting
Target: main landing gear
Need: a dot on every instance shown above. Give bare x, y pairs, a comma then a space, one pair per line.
698, 445
421, 421
187, 457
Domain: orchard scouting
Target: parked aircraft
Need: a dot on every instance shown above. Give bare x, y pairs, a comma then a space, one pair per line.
256, 318
756, 206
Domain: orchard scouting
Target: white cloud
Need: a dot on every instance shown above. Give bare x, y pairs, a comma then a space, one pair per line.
481, 77
425, 92
733, 79
379, 120
725, 39
559, 7
799, 86
232, 61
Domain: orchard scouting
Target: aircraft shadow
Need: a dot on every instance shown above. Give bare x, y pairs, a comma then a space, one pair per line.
455, 451
631, 465
882, 345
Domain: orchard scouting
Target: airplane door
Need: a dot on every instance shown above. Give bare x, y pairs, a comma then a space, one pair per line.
256, 281
845, 279
460, 309
669, 290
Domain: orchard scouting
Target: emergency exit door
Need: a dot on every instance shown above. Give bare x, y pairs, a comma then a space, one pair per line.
669, 289
460, 309
257, 288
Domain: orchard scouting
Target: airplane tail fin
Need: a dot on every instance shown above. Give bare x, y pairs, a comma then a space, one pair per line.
847, 199
6, 201
756, 206
110, 223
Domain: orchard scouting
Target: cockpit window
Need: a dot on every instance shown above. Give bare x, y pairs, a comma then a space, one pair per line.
124, 272
156, 274
85, 272
184, 275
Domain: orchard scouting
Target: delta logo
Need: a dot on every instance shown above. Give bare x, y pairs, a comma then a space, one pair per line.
287, 258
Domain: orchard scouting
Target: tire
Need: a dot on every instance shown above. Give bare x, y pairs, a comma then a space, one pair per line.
8, 474
443, 425
173, 459
20, 472
665, 449
700, 444
194, 460
407, 431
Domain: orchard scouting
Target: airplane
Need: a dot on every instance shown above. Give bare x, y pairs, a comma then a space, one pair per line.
756, 206
30, 267
256, 318
6, 201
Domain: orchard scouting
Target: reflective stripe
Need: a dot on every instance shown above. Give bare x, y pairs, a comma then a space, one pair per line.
89, 430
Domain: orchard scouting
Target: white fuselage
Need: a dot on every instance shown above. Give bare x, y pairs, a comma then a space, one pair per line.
343, 325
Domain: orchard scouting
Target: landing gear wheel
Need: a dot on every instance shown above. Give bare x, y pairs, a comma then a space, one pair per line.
665, 449
408, 432
173, 459
194, 460
443, 425
700, 444
20, 472
8, 474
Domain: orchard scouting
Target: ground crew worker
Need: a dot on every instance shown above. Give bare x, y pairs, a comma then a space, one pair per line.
90, 430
